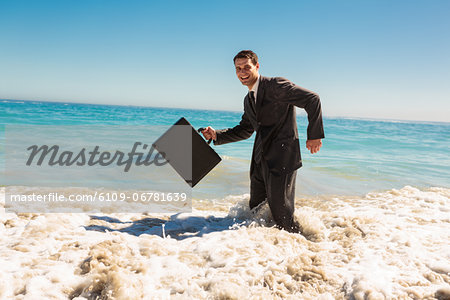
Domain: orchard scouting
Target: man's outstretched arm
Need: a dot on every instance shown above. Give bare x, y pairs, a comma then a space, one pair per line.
242, 131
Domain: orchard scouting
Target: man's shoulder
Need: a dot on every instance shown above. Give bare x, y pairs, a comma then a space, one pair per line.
275, 81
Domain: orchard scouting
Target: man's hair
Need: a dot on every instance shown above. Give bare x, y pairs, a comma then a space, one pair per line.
247, 54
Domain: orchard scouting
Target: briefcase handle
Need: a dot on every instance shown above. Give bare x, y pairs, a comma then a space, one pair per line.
200, 130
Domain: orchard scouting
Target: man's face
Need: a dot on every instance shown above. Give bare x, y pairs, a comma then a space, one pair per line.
246, 71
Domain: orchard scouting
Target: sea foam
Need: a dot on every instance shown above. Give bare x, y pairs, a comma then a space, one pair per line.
386, 245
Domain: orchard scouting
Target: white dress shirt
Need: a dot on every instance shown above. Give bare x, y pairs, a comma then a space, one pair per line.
255, 88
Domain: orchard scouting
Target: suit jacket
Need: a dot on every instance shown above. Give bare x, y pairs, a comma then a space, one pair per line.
274, 120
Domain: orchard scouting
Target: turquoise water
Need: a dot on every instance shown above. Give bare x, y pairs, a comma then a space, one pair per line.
358, 156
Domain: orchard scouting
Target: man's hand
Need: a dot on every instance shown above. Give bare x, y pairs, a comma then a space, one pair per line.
209, 133
314, 145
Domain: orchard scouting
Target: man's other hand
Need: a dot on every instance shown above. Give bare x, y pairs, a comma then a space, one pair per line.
314, 145
209, 133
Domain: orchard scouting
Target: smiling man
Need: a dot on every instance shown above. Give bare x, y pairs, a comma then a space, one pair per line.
269, 109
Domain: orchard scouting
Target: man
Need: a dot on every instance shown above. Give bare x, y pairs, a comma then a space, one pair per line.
269, 109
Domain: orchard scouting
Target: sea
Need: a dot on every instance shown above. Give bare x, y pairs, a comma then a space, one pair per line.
374, 205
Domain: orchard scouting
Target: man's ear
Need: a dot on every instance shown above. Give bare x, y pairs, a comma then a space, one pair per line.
257, 66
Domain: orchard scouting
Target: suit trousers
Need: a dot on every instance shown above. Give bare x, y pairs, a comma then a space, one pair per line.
279, 190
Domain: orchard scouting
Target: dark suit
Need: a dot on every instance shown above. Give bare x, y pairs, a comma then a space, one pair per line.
274, 121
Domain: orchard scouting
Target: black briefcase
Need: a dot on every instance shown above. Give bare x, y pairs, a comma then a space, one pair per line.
191, 156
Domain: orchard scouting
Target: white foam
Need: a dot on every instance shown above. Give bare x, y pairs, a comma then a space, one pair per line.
385, 245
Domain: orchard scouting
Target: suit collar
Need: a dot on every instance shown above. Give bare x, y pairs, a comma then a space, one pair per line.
260, 98
255, 86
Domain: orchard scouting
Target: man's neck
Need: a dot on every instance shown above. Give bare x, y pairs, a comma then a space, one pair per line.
250, 88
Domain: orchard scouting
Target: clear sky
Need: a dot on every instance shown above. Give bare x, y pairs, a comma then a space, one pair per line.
369, 59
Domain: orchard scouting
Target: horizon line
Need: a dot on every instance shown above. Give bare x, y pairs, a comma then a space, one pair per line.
237, 111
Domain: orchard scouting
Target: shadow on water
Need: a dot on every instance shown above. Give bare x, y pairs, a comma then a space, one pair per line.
178, 226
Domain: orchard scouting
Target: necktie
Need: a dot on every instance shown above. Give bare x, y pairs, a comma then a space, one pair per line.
251, 97
258, 145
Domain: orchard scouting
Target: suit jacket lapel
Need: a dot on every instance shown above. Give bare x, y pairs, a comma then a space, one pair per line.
250, 107
260, 96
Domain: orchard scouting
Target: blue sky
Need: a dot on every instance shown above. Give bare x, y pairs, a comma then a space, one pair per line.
369, 59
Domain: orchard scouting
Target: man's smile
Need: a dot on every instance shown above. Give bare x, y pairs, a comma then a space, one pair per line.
246, 71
